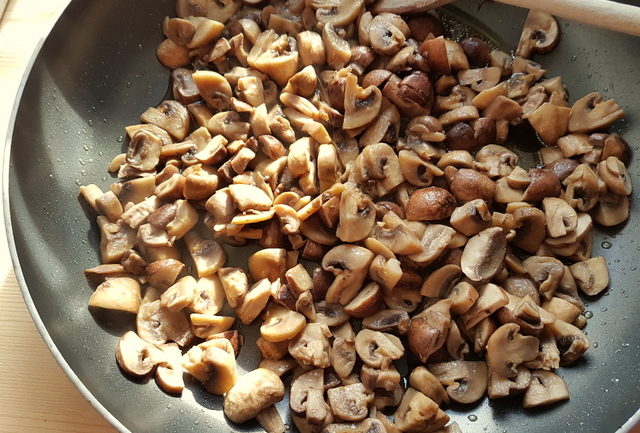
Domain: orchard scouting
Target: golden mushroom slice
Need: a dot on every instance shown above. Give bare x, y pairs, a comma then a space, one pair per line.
378, 349
614, 173
337, 49
342, 13
361, 105
135, 356
214, 88
180, 294
115, 239
560, 217
357, 215
350, 265
424, 381
158, 325
435, 240
169, 373
120, 293
311, 346
490, 298
500, 386
171, 116
235, 284
273, 55
377, 170
281, 324
270, 263
484, 254
393, 233
254, 301
591, 275
591, 113
213, 364
206, 325
465, 381
545, 388
144, 151
507, 348
307, 397
207, 254
540, 34
209, 296
418, 413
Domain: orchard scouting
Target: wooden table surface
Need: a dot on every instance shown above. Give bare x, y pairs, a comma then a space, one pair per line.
35, 395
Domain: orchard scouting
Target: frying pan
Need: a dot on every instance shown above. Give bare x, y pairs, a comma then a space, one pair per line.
97, 71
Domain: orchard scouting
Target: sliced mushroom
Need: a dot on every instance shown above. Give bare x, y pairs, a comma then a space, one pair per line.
135, 356
361, 105
388, 321
378, 349
591, 113
614, 173
435, 240
507, 348
120, 293
338, 50
545, 388
546, 272
274, 56
490, 299
350, 402
158, 325
571, 341
531, 228
471, 218
440, 282
465, 381
387, 33
357, 215
484, 254
252, 393
424, 381
170, 116
207, 254
418, 413
413, 95
561, 218
368, 425
377, 170
180, 294
591, 275
307, 396
270, 263
311, 346
540, 34
396, 235
611, 210
350, 265
366, 302
500, 386
582, 190
462, 295
280, 324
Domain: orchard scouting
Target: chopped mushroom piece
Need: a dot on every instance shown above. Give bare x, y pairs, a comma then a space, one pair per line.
281, 324
465, 381
350, 402
417, 413
377, 349
592, 113
252, 393
121, 293
507, 349
350, 265
591, 275
484, 254
540, 34
545, 388
135, 356
311, 346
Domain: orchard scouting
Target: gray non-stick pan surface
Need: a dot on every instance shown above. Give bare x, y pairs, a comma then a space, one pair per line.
97, 72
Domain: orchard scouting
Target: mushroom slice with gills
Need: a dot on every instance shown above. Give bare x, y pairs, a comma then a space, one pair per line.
357, 215
378, 349
214, 89
171, 116
99, 274
377, 170
388, 321
540, 34
339, 13
427, 128
591, 113
120, 293
311, 346
206, 325
350, 265
135, 356
614, 173
366, 302
591, 275
307, 396
507, 348
424, 381
416, 170
209, 296
387, 34
158, 325
543, 184
343, 356
490, 299
144, 151
180, 294
429, 204
456, 345
185, 219
350, 402
435, 240
560, 217
137, 214
250, 198
440, 282
571, 341
235, 284
472, 217
581, 188
270, 420
547, 272
229, 125
429, 329
611, 210
480, 79
550, 121
281, 324
330, 314
385, 128
500, 386
252, 393
301, 163
496, 160
338, 50
545, 388
386, 272
207, 255
303, 83
465, 381
413, 95
368, 425
289, 220
361, 105
462, 295
329, 166
275, 56
268, 263
393, 233
169, 373
530, 228
255, 300
525, 313
417, 413
184, 89
483, 254
563, 309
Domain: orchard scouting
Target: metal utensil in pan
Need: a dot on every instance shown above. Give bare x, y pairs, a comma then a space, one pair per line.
97, 72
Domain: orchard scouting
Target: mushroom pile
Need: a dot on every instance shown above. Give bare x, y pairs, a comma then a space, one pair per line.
366, 154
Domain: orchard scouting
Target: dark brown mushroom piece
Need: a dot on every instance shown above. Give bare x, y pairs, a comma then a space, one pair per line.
413, 95
428, 204
530, 228
388, 321
543, 184
477, 50
429, 329
467, 184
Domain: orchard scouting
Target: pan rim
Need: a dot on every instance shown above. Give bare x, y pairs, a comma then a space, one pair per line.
633, 421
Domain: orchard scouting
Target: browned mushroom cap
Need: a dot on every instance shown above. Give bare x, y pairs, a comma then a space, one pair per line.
468, 184
571, 341
465, 381
253, 392
614, 173
543, 184
361, 105
484, 254
472, 217
582, 190
350, 402
171, 116
507, 349
545, 388
135, 356
440, 282
531, 228
388, 321
377, 349
428, 204
429, 329
340, 14
615, 145
591, 275
591, 113
350, 265
413, 94
611, 210
418, 413
311, 346
121, 293
540, 34
562, 167
546, 272
357, 215
490, 299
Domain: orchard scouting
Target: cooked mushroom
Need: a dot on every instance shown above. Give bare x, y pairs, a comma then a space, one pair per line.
540, 34
611, 210
307, 396
357, 215
268, 263
387, 33
427, 204
424, 381
281, 324
435, 239
135, 356
546, 271
311, 346
429, 329
180, 294
591, 113
507, 348
571, 341
361, 105
377, 170
170, 116
368, 425
253, 392
560, 217
465, 381
467, 185
338, 51
418, 413
591, 275
158, 325
614, 173
490, 299
350, 265
377, 349
500, 386
413, 95
388, 321
350, 402
582, 190
545, 388
440, 282
120, 293
484, 253
530, 228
